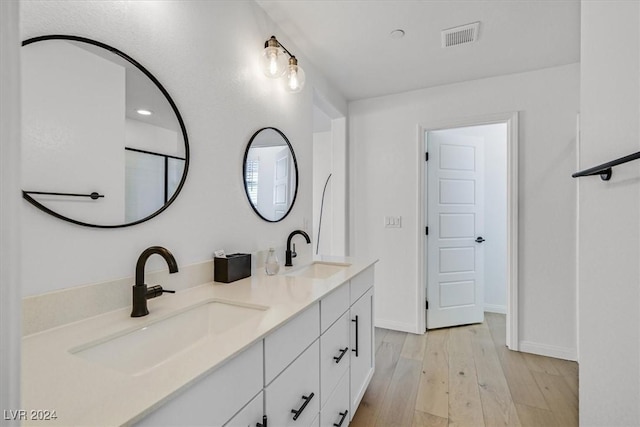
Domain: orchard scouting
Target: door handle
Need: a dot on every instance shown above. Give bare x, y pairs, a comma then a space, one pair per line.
296, 412
356, 349
480, 239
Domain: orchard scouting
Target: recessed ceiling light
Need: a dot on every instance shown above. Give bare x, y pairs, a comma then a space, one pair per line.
144, 112
396, 34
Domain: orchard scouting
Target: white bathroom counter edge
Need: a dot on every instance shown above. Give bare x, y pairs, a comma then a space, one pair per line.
84, 393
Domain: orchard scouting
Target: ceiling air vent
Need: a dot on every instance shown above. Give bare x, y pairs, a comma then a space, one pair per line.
460, 35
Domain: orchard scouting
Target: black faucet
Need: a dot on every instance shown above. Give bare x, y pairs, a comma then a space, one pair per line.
140, 291
289, 254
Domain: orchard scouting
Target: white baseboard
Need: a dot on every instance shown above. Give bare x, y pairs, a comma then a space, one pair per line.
549, 350
397, 326
492, 308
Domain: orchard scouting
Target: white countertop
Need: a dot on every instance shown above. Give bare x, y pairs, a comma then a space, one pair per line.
84, 393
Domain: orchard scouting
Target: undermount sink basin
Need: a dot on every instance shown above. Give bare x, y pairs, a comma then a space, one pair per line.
140, 350
319, 270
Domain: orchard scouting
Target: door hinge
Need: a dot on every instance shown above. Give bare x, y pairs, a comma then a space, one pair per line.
426, 231
426, 306
426, 156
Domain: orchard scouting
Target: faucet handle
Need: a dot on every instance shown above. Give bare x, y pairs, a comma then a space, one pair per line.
156, 291
293, 252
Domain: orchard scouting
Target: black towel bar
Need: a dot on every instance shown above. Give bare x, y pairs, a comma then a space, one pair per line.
93, 195
604, 170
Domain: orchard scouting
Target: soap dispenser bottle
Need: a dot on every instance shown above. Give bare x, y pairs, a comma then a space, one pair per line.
271, 264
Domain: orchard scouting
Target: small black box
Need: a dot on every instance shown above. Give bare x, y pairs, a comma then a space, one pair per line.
233, 267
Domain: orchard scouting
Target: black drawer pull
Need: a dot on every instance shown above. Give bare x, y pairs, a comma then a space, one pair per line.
264, 422
297, 413
356, 349
343, 415
342, 353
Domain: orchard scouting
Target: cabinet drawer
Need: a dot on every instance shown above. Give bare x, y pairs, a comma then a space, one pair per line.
361, 283
286, 392
333, 306
286, 343
337, 406
216, 398
333, 344
250, 414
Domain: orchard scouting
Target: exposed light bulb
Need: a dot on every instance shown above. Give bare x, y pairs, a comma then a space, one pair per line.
295, 76
273, 60
273, 63
293, 80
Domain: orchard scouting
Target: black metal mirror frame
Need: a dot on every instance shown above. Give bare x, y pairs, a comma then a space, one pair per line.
244, 173
166, 95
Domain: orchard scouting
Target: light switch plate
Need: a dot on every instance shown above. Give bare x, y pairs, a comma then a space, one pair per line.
392, 222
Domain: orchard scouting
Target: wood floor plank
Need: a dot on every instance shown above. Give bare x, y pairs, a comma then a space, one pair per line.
497, 406
467, 377
535, 417
561, 400
395, 337
399, 401
569, 371
433, 391
465, 407
414, 347
379, 336
538, 363
387, 358
422, 419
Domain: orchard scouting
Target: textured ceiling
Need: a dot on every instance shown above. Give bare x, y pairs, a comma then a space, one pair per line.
349, 40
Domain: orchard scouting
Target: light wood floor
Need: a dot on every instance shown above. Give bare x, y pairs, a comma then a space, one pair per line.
465, 376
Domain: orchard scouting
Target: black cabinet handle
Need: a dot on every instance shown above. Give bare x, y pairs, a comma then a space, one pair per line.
264, 422
296, 413
356, 349
480, 239
343, 415
342, 353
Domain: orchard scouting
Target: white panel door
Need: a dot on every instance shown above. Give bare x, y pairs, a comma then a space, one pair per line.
281, 182
455, 253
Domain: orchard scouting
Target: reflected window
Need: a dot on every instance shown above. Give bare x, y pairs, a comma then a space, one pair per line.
251, 173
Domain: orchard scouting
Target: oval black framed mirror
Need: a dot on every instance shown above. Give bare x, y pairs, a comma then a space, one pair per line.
104, 144
270, 174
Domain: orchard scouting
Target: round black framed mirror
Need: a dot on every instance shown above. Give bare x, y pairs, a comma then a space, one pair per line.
104, 144
270, 174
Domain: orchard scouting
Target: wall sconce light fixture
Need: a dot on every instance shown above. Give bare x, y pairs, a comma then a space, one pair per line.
275, 65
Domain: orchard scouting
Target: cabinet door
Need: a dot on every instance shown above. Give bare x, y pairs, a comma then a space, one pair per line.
334, 356
362, 354
295, 389
250, 415
213, 400
336, 411
286, 343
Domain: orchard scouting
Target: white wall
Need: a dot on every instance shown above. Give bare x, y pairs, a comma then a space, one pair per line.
322, 155
10, 226
223, 98
494, 138
609, 229
384, 180
73, 130
145, 136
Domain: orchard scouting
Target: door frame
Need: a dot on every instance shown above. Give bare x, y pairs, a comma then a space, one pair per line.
511, 120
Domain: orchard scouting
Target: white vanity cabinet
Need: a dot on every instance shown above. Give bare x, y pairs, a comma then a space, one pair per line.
250, 415
213, 400
362, 337
311, 371
293, 398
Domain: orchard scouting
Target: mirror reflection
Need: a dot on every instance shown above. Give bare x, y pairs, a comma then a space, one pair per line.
96, 121
270, 173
